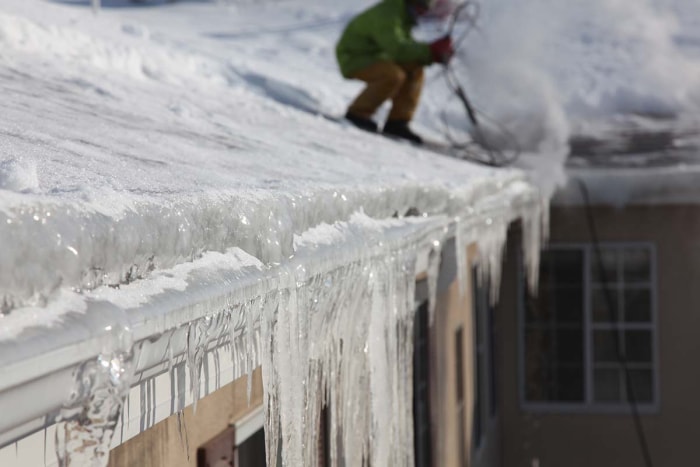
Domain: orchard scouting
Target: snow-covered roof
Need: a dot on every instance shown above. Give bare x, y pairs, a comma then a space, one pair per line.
161, 190
638, 161
164, 183
119, 158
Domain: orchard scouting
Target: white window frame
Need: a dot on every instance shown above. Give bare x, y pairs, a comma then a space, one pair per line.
249, 425
589, 405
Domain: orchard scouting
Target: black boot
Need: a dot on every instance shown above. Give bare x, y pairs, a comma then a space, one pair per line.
400, 129
362, 123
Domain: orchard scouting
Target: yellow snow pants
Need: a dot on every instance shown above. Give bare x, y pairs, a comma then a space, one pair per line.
400, 82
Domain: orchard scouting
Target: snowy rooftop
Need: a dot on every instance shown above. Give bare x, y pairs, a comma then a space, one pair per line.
165, 176
129, 146
641, 160
141, 137
164, 182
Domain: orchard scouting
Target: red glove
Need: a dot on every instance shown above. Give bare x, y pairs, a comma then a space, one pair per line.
442, 50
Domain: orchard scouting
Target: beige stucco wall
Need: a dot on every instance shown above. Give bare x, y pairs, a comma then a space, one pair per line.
161, 445
454, 309
604, 440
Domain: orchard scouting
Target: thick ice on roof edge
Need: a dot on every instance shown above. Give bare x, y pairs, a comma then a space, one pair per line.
60, 245
334, 322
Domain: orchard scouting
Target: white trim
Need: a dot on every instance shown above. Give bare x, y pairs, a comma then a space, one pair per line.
588, 404
249, 425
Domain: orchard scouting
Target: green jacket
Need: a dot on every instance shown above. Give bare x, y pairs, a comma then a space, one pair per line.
381, 33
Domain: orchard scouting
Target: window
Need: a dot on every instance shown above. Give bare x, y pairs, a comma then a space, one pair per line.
250, 442
485, 403
251, 452
571, 331
459, 380
421, 389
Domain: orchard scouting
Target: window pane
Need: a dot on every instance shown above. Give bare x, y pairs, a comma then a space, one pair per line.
604, 346
570, 346
568, 303
637, 305
600, 306
569, 384
610, 260
637, 265
642, 382
606, 385
567, 267
537, 365
638, 346
538, 309
547, 376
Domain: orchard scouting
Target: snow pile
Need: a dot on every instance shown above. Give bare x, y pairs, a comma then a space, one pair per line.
18, 174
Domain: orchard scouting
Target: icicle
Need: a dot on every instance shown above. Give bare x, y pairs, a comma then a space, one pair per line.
154, 403
93, 411
205, 371
534, 226
121, 425
251, 311
171, 375
182, 428
233, 342
434, 260
128, 412
494, 248
270, 378
198, 336
143, 406
287, 354
461, 253
381, 365
217, 370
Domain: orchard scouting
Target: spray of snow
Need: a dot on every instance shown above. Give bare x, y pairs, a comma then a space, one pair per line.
582, 57
540, 68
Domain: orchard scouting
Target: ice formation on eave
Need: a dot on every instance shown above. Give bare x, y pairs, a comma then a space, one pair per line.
333, 326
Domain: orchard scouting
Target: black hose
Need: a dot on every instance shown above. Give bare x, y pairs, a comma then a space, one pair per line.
622, 358
487, 153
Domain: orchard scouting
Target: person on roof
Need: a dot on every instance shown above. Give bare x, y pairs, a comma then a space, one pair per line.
376, 47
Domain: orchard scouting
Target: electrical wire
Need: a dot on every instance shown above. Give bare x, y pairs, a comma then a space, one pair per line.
631, 395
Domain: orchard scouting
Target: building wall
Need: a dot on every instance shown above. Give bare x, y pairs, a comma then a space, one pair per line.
452, 311
592, 439
163, 445
455, 310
